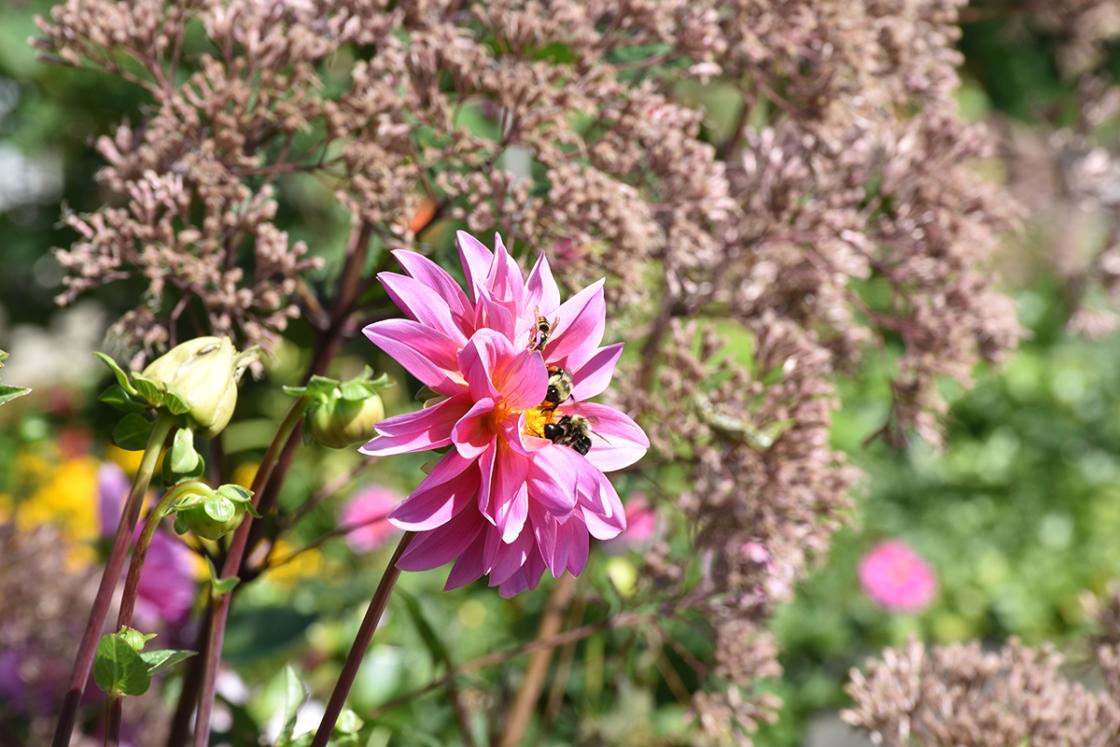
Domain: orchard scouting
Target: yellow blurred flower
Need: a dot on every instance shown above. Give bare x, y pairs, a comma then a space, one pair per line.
304, 565
244, 473
129, 461
66, 496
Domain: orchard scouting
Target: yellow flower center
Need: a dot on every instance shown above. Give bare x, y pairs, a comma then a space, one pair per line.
537, 418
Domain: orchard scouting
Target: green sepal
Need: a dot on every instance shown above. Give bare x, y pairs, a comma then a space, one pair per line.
148, 390
116, 397
184, 459
219, 508
132, 432
135, 638
8, 393
175, 404
122, 376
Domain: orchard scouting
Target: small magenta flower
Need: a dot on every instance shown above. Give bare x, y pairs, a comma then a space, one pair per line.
368, 512
522, 488
897, 578
641, 523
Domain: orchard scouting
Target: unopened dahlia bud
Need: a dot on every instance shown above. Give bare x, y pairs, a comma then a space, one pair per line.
203, 372
211, 514
341, 414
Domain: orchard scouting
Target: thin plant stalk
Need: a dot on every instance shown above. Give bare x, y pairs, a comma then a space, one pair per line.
521, 712
232, 565
361, 643
132, 588
83, 661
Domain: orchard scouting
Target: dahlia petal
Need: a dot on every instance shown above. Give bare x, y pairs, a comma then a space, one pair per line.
541, 288
602, 511
552, 479
522, 380
438, 279
426, 353
470, 434
511, 557
429, 428
552, 546
580, 322
594, 376
577, 543
504, 281
433, 548
422, 304
490, 314
504, 498
476, 259
439, 498
620, 441
528, 578
470, 565
478, 359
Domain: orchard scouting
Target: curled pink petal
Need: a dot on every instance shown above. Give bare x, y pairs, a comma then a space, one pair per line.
450, 487
440, 281
618, 441
422, 304
422, 430
579, 327
594, 376
425, 352
542, 291
476, 260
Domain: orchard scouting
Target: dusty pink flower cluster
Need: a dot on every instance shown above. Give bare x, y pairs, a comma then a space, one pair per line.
735, 258
962, 694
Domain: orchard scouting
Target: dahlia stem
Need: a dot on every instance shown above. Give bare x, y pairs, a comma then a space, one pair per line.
83, 661
232, 565
521, 712
140, 551
361, 643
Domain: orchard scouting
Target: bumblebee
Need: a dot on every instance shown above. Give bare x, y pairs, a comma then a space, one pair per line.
570, 430
559, 387
544, 331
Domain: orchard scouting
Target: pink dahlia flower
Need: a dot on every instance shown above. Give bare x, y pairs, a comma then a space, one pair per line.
897, 578
368, 513
522, 488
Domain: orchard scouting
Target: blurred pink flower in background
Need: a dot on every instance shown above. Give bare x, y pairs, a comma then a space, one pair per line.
167, 586
897, 578
522, 488
369, 510
641, 523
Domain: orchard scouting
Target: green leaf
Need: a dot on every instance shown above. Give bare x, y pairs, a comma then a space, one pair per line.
134, 637
164, 658
122, 377
184, 458
348, 722
295, 695
427, 632
220, 586
148, 390
132, 432
219, 508
8, 393
118, 668
117, 398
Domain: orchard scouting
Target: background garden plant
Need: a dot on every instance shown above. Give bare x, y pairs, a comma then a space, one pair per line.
796, 207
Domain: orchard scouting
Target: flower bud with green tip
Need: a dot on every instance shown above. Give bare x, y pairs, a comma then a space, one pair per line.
203, 373
211, 514
341, 414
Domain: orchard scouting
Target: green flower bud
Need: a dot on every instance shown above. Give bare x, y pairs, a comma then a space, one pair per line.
339, 422
211, 514
203, 373
341, 414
